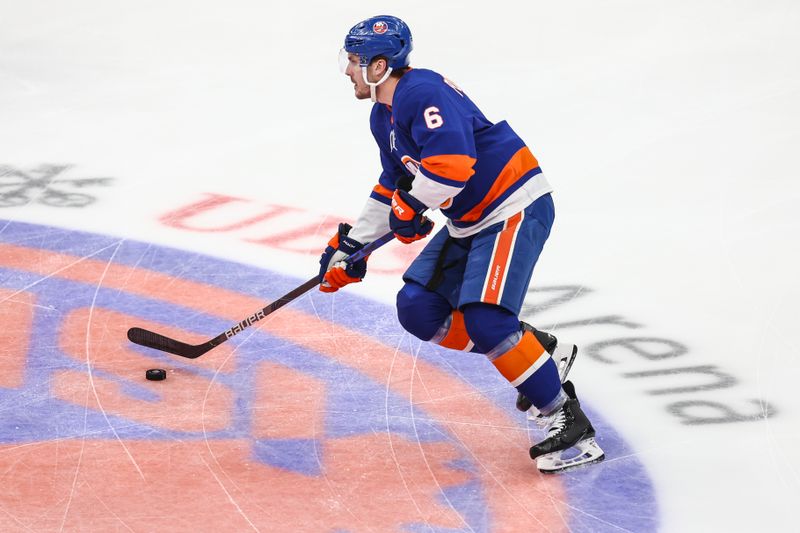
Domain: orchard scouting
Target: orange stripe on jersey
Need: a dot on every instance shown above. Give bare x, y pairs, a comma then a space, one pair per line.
383, 191
452, 166
520, 163
457, 337
522, 360
499, 263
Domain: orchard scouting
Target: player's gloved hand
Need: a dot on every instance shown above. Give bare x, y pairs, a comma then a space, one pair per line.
406, 218
334, 273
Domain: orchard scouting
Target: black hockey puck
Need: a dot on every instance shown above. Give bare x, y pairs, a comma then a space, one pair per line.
156, 374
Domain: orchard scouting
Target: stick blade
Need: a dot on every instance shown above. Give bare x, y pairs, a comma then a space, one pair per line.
150, 339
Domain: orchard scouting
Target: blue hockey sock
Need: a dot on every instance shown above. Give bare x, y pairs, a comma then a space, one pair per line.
525, 363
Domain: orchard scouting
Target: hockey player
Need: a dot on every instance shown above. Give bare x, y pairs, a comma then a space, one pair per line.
465, 289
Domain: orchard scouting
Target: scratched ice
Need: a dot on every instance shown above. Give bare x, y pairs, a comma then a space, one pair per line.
177, 166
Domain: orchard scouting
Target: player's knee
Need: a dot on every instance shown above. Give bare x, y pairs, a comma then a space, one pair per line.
489, 325
421, 312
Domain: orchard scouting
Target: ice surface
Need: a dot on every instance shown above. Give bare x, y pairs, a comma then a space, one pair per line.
175, 165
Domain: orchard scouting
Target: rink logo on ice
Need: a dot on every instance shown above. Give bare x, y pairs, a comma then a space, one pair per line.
695, 393
311, 418
274, 227
45, 185
692, 392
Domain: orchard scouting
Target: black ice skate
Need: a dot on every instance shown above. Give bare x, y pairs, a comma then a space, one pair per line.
562, 353
567, 428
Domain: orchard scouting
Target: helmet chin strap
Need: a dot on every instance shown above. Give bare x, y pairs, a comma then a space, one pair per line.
373, 85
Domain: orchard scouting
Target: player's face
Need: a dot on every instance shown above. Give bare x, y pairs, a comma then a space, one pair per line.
353, 71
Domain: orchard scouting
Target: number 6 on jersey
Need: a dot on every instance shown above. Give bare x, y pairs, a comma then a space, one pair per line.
432, 119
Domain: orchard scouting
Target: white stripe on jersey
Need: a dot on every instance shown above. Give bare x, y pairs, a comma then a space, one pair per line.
373, 222
431, 193
534, 188
491, 260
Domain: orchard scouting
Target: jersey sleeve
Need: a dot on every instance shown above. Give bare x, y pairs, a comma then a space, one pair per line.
391, 170
390, 173
373, 221
443, 132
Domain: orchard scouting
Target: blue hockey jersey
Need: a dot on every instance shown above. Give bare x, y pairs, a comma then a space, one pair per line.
475, 171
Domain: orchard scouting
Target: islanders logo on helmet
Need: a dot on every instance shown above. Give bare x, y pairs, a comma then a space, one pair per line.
383, 35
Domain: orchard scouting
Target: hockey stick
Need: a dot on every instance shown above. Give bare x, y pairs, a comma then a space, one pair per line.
157, 341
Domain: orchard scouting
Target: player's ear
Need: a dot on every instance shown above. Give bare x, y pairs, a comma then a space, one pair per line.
380, 66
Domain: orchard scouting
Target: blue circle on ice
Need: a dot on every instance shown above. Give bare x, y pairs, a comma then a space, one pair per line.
616, 494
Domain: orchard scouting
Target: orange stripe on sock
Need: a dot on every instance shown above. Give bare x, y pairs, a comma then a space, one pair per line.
520, 358
457, 337
497, 268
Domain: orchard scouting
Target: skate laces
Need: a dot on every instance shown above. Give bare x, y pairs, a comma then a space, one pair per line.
552, 424
555, 423
543, 421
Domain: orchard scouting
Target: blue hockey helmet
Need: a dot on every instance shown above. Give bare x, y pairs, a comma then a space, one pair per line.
383, 35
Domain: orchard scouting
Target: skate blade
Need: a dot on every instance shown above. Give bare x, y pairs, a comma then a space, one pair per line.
564, 355
584, 453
